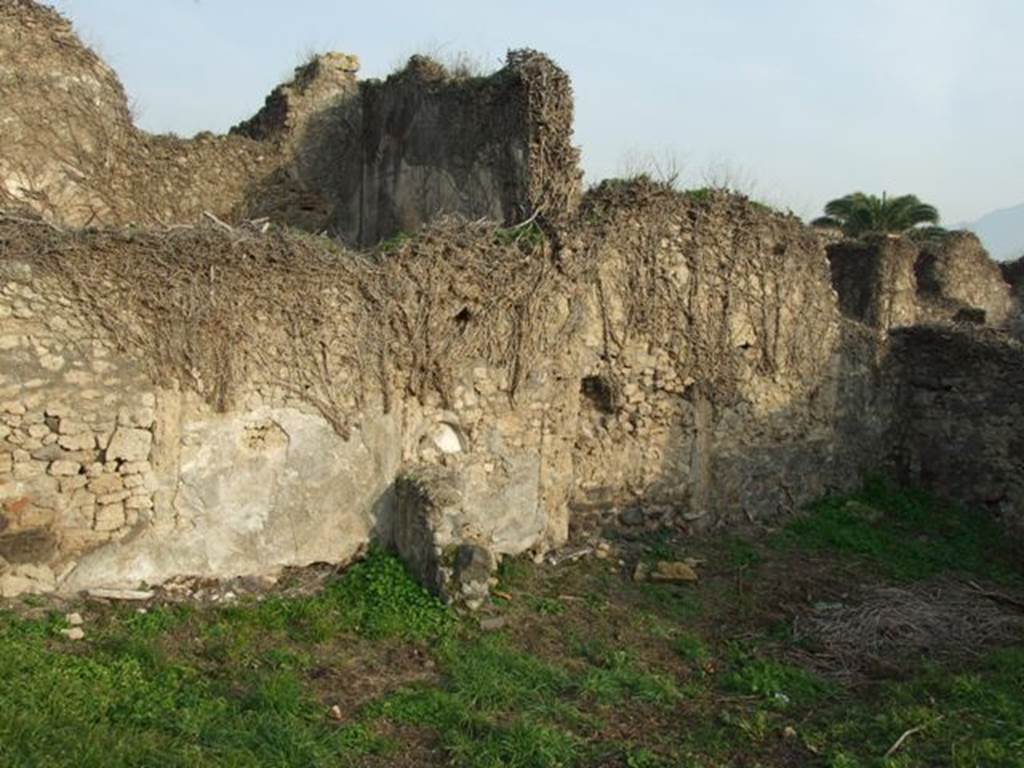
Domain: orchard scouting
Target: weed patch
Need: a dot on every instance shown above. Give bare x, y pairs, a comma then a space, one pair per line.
907, 534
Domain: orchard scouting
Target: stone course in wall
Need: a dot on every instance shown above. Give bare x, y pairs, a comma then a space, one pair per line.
76, 435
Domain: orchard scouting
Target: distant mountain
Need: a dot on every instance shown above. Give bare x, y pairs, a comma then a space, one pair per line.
1001, 231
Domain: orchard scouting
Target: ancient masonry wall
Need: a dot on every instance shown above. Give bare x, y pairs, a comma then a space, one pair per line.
223, 400
429, 143
718, 377
365, 161
200, 402
961, 425
892, 282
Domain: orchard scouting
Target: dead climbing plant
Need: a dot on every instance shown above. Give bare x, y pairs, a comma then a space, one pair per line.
714, 284
222, 309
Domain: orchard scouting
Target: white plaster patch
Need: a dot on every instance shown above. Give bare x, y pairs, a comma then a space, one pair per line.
447, 438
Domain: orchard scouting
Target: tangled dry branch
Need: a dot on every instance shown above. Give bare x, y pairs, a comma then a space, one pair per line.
938, 619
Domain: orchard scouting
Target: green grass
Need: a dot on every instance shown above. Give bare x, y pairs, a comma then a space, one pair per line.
907, 535
527, 237
779, 683
497, 708
692, 649
589, 668
969, 718
618, 677
393, 243
239, 698
111, 708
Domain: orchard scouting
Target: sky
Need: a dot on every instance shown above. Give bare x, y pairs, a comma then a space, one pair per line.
795, 101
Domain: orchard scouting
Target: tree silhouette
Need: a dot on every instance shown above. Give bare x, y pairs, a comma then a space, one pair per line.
859, 214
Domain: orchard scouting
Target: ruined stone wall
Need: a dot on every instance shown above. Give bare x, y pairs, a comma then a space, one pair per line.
431, 143
891, 282
957, 276
1013, 273
875, 280
270, 387
252, 406
960, 430
324, 154
719, 372
70, 151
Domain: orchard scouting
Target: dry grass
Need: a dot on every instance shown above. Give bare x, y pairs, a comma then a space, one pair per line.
940, 619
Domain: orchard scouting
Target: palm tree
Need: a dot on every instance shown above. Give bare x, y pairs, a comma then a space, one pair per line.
859, 214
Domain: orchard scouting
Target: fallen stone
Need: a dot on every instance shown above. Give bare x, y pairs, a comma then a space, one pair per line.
74, 619
568, 555
493, 623
75, 633
632, 516
673, 572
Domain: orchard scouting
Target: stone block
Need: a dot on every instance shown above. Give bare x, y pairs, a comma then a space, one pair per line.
139, 502
62, 468
69, 484
105, 484
110, 517
38, 431
113, 498
80, 442
136, 417
129, 444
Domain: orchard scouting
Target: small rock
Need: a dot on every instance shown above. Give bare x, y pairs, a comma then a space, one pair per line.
493, 623
673, 572
74, 619
641, 571
75, 633
335, 713
632, 516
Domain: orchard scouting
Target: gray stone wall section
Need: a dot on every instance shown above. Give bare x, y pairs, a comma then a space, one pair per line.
960, 425
431, 144
874, 280
892, 282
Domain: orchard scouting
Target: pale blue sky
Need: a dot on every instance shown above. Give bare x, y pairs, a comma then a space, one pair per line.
809, 100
